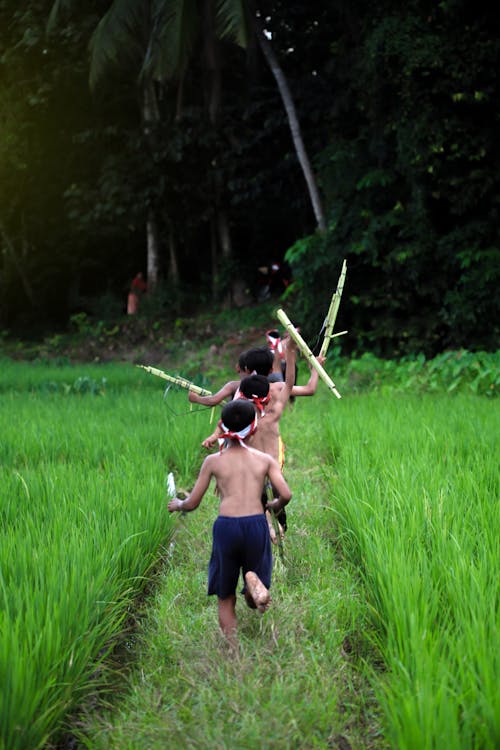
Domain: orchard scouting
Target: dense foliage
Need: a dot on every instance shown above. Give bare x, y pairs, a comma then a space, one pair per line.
412, 180
398, 110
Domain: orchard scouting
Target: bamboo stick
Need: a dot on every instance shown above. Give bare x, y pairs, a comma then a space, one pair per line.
304, 349
182, 382
333, 310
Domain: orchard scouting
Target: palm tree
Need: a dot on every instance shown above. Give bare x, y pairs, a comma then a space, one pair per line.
239, 21
158, 37
155, 39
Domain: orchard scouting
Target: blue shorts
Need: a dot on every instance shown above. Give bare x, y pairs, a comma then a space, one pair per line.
238, 543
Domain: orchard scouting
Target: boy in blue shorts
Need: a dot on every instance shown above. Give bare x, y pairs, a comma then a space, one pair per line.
240, 535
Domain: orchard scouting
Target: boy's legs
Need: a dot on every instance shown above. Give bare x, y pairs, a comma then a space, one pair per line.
257, 564
227, 617
256, 594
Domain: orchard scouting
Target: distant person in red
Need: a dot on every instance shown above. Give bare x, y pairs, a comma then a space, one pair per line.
137, 288
273, 280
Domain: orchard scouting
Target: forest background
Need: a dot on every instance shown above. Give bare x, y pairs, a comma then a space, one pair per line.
152, 136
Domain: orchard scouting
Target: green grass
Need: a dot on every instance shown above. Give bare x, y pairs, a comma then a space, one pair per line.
83, 524
384, 626
383, 630
416, 505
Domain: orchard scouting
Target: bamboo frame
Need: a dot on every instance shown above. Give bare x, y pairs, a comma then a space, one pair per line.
304, 349
182, 382
332, 311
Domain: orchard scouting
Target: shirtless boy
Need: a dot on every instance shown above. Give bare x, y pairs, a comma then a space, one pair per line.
240, 533
227, 391
259, 361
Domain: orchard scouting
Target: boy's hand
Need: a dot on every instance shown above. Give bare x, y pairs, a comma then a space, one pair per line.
193, 397
275, 504
210, 441
174, 505
273, 339
321, 360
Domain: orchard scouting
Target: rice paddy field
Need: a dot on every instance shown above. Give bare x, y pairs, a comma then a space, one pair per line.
384, 629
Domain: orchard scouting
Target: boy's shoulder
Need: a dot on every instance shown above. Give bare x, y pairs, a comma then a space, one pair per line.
228, 457
276, 386
276, 390
232, 385
258, 455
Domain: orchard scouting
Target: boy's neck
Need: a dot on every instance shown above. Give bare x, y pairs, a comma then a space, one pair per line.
233, 443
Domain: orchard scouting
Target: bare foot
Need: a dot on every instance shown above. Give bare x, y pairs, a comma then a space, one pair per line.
272, 532
258, 591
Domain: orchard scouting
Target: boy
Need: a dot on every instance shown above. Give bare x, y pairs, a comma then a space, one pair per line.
271, 400
258, 361
261, 359
240, 533
226, 392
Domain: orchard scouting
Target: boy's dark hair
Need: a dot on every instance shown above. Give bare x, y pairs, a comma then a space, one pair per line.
242, 361
238, 414
260, 359
254, 386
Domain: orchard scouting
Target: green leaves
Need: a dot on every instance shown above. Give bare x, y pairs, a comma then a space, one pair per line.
233, 21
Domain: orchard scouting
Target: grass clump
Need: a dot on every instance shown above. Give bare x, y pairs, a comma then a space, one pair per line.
416, 505
83, 525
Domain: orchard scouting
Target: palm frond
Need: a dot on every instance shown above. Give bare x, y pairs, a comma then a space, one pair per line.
175, 30
121, 38
234, 21
59, 8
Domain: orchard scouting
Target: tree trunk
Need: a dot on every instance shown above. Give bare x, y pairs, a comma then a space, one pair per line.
18, 266
173, 266
214, 259
293, 122
151, 116
220, 231
224, 233
153, 250
212, 61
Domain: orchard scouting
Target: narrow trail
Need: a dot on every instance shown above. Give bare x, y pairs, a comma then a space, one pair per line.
294, 683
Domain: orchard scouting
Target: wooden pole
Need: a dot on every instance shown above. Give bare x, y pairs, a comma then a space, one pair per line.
333, 310
304, 349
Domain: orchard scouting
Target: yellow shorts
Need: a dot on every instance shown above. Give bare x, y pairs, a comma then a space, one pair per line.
281, 452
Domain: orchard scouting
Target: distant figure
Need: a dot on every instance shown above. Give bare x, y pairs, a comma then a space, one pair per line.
137, 288
273, 280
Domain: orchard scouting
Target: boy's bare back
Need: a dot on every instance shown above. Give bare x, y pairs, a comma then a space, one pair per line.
240, 473
266, 438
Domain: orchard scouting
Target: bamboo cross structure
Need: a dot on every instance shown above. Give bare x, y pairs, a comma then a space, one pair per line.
177, 380
332, 312
304, 349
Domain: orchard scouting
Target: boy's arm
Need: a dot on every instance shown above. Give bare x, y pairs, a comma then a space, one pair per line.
284, 395
195, 496
278, 481
226, 391
210, 441
309, 389
276, 361
276, 347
